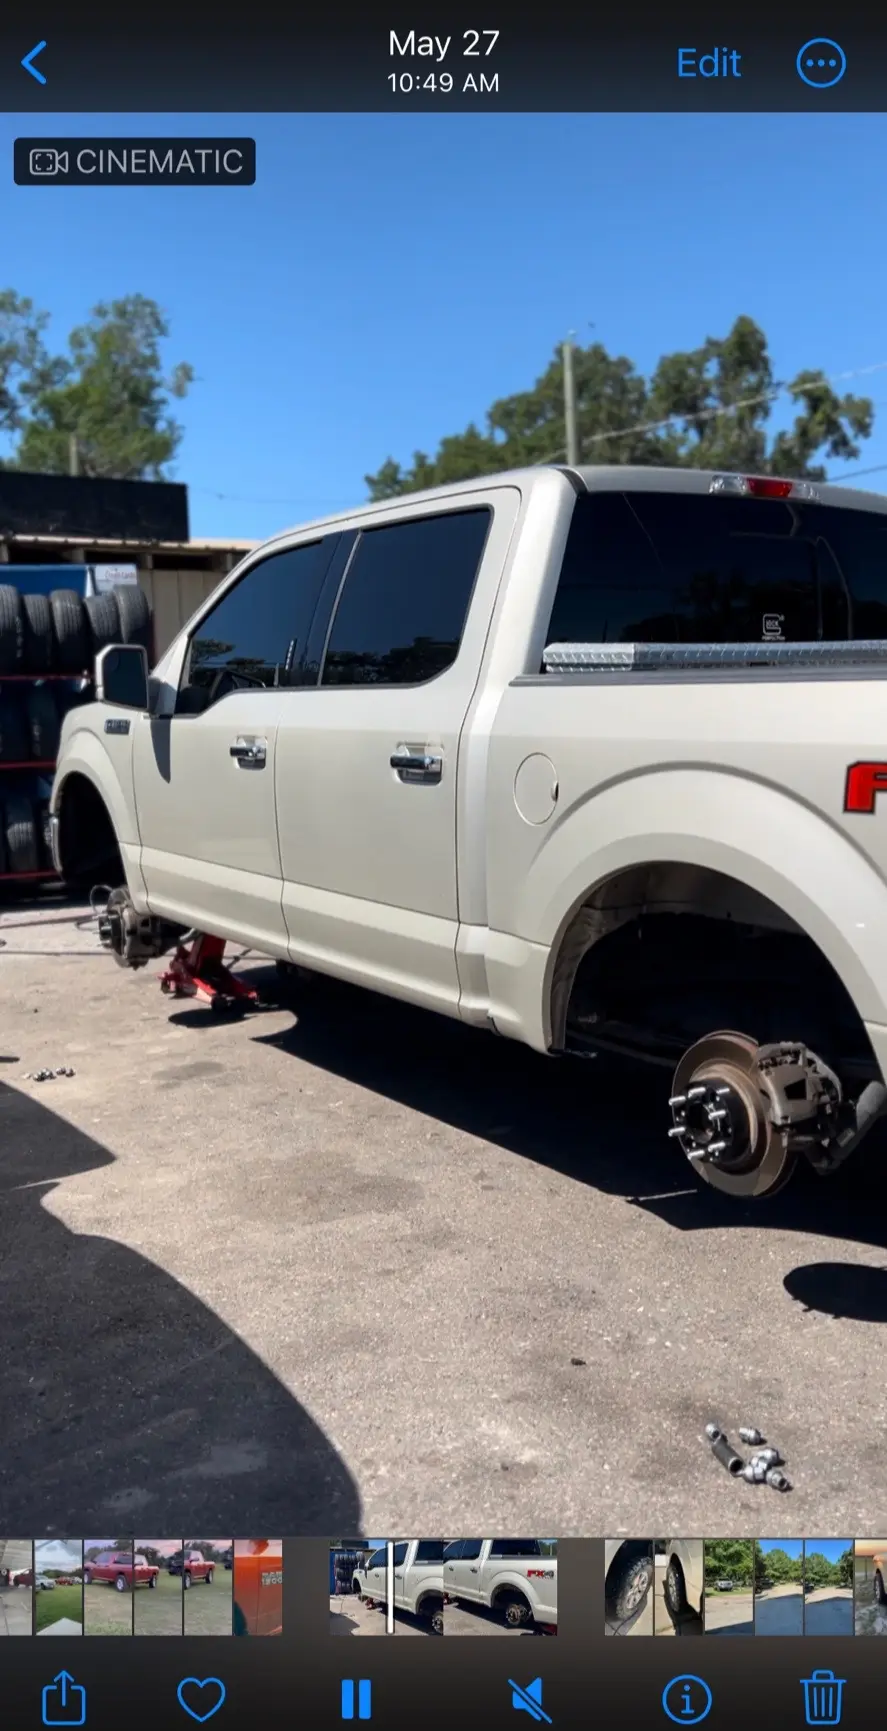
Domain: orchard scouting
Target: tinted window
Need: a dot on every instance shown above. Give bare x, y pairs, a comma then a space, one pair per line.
515, 1548
402, 611
258, 631
429, 1551
400, 1552
453, 1551
377, 1560
671, 568
471, 1549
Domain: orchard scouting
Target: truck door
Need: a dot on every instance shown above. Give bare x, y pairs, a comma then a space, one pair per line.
401, 1576
367, 762
462, 1576
204, 767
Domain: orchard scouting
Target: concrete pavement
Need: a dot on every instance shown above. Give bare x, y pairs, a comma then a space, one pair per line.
780, 1611
255, 1242
829, 1611
729, 1613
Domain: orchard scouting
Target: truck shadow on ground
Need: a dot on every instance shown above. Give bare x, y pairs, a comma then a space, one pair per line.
602, 1122
126, 1401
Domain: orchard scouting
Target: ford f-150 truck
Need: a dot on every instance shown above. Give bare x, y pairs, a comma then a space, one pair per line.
418, 1579
120, 1569
516, 1577
594, 758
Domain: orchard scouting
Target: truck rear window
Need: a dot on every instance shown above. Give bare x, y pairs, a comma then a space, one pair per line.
429, 1551
648, 567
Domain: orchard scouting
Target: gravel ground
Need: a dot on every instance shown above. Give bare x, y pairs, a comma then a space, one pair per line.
353, 1236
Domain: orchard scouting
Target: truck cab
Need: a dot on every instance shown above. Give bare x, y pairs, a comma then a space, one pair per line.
515, 1577
417, 1580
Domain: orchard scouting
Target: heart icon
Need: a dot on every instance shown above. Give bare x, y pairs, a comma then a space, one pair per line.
196, 1687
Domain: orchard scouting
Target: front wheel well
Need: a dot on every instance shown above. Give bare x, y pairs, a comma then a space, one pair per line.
89, 852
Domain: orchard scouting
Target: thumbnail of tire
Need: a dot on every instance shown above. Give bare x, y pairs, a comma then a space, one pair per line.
22, 850
12, 630
39, 643
103, 618
70, 631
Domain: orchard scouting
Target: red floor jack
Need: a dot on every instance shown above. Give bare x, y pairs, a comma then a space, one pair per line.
198, 971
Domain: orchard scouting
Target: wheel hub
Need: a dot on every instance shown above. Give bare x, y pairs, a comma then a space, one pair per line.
711, 1123
721, 1117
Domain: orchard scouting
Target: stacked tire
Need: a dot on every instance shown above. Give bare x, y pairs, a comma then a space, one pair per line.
48, 645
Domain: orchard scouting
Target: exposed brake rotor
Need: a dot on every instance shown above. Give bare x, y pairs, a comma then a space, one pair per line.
742, 1112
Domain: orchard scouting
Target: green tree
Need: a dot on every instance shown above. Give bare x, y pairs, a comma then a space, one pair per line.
26, 368
729, 1560
817, 1570
706, 408
845, 1568
109, 394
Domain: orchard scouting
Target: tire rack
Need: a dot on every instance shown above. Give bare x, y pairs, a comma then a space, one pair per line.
36, 766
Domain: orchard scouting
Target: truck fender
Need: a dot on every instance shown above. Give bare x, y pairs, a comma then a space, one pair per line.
745, 829
84, 754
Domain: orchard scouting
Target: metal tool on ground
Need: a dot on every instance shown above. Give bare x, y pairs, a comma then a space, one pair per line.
723, 1450
748, 1434
778, 1480
764, 1467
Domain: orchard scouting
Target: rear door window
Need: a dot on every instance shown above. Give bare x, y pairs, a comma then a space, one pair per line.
402, 611
650, 567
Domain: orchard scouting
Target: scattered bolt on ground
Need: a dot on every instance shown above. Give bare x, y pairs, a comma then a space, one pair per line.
764, 1467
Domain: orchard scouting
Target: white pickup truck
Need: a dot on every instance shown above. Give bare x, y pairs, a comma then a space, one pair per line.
516, 1577
591, 759
417, 1579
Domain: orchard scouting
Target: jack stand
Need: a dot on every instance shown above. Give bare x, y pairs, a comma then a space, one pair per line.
197, 970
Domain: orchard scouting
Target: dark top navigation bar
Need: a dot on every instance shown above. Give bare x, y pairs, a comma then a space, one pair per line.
149, 61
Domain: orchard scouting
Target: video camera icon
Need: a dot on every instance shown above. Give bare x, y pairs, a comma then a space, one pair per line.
46, 162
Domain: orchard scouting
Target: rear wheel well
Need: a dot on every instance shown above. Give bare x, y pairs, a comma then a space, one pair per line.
676, 950
88, 848
509, 1596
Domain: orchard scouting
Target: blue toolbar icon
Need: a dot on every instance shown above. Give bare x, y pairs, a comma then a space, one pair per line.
821, 63
823, 1698
64, 1701
28, 62
363, 1690
527, 1698
201, 1697
686, 1700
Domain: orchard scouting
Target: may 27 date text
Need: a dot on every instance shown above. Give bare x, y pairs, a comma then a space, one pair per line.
425, 56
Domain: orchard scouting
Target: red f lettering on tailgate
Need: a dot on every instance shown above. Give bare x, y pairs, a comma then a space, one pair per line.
864, 782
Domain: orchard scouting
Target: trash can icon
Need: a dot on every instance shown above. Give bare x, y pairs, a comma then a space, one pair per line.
823, 1698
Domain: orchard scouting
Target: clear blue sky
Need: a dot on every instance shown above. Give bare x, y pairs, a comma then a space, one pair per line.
831, 1549
791, 1547
389, 276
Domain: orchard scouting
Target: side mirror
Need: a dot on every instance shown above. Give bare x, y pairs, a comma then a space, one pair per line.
121, 676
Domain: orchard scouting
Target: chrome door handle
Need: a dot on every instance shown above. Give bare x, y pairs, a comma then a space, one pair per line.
417, 765
249, 752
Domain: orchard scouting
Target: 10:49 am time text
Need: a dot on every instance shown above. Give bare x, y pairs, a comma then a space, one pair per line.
429, 53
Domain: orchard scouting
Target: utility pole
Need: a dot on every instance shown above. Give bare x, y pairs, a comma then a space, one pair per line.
570, 404
73, 455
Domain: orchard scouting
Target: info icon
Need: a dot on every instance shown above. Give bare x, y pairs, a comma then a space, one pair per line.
686, 1700
821, 63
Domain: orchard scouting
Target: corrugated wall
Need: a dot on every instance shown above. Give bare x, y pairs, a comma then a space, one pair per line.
174, 596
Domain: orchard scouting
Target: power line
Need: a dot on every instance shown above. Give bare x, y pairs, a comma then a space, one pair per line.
614, 433
721, 409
